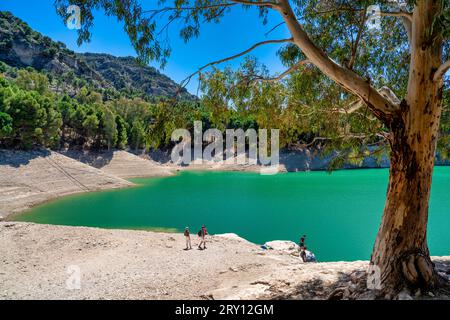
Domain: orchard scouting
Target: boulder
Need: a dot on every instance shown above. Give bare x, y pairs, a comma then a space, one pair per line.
232, 236
284, 246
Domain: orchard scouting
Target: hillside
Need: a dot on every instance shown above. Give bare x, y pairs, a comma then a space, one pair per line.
21, 46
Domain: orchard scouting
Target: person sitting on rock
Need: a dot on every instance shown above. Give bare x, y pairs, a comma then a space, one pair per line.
309, 256
303, 253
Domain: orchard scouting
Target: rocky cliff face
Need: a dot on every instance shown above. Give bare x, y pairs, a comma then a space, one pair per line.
21, 46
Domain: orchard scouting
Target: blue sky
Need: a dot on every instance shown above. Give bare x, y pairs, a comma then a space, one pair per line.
238, 31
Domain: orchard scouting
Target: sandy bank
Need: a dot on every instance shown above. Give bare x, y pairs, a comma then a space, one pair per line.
122, 264
28, 178
33, 177
118, 264
122, 164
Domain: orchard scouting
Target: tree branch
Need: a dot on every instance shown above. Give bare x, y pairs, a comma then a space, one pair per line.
389, 95
407, 24
384, 91
185, 82
440, 72
257, 3
404, 14
212, 6
357, 40
273, 28
344, 137
280, 76
353, 107
166, 9
349, 80
218, 14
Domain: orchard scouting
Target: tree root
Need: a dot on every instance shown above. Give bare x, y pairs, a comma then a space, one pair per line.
419, 271
337, 294
409, 269
426, 268
422, 281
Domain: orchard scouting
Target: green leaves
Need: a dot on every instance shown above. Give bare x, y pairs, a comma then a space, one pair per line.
122, 138
441, 26
28, 79
6, 126
27, 118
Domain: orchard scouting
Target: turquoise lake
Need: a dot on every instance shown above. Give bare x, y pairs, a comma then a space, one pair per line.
340, 212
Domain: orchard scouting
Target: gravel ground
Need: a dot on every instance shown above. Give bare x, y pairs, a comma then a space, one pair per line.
39, 261
117, 264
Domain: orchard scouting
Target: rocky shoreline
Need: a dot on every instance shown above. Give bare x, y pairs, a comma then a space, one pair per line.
41, 261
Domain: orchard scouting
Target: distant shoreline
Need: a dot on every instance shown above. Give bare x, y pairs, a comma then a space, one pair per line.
30, 178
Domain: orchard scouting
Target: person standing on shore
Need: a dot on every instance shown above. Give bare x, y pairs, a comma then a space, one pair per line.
301, 246
302, 241
187, 235
202, 234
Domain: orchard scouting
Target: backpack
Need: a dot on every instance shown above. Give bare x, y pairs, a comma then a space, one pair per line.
199, 233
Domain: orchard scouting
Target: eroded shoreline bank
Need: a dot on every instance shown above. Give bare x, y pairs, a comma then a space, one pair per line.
30, 178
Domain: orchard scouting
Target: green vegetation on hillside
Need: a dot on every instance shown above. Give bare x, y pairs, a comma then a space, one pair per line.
33, 115
69, 71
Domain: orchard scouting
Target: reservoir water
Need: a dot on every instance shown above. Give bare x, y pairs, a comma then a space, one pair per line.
340, 212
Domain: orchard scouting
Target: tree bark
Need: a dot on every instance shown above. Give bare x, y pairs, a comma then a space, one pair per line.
401, 252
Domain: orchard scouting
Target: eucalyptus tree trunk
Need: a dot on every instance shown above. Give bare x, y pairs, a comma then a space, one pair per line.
401, 250
400, 253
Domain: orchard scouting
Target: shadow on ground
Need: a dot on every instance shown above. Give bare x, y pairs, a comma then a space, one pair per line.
96, 159
16, 159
